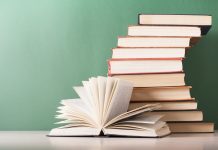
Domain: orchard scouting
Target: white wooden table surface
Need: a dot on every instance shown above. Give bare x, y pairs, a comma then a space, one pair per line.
31, 140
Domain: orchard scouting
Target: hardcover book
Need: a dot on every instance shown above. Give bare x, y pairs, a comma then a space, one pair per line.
142, 66
128, 53
202, 21
154, 80
156, 41
164, 31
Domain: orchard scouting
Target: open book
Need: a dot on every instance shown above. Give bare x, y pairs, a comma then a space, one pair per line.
102, 109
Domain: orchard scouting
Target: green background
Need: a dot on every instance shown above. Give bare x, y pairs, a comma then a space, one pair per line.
48, 46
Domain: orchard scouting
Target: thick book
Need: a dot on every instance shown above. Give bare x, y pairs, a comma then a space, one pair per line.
202, 21
128, 53
191, 127
154, 41
154, 80
161, 93
141, 66
102, 109
164, 31
179, 115
166, 105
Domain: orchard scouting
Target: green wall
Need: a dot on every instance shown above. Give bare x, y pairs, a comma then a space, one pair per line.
47, 46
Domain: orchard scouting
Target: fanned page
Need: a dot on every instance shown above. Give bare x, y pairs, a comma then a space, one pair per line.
119, 99
137, 133
88, 111
134, 112
109, 90
149, 122
88, 104
102, 82
75, 112
133, 124
78, 120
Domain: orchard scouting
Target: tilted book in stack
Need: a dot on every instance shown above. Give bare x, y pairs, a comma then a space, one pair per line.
151, 58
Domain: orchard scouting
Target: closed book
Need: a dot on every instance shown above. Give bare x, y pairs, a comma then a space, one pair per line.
154, 80
179, 105
141, 66
179, 115
154, 41
191, 127
202, 21
164, 31
161, 94
128, 53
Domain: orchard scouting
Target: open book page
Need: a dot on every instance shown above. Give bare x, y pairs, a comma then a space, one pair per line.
119, 101
86, 95
94, 91
81, 92
138, 126
133, 112
78, 104
111, 84
146, 118
76, 112
102, 82
132, 123
91, 99
137, 133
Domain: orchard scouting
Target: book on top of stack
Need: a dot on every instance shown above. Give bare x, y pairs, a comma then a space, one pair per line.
151, 56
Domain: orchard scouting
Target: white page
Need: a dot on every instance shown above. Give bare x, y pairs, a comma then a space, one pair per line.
93, 83
78, 104
142, 126
81, 92
138, 133
75, 109
102, 81
134, 112
120, 99
110, 83
148, 119
70, 121
73, 115
89, 93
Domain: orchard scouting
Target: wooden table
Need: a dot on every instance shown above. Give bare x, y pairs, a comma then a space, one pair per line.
17, 140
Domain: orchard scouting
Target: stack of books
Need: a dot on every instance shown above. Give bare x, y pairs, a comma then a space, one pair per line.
151, 58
